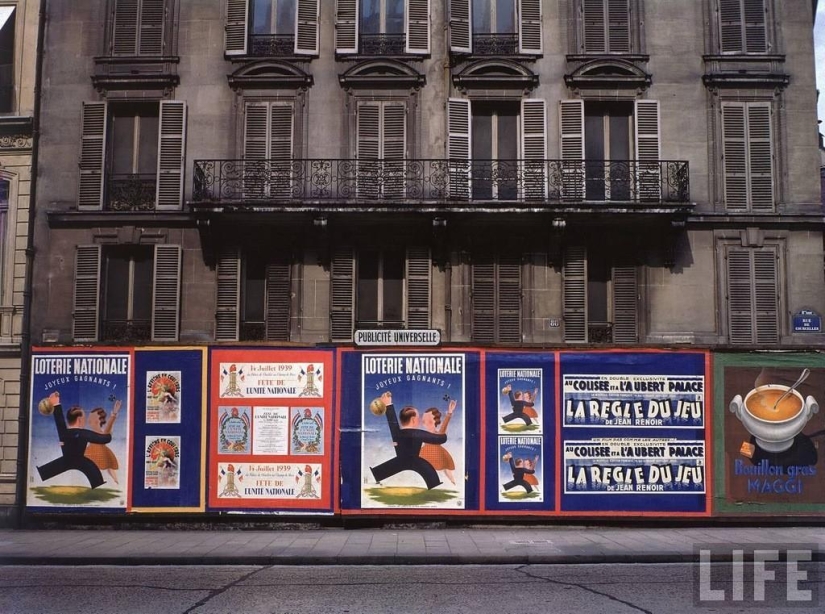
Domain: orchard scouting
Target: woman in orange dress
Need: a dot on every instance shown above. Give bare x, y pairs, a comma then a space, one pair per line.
100, 453
435, 454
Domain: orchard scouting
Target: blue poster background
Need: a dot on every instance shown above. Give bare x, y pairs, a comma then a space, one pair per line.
518, 360
190, 429
621, 363
352, 415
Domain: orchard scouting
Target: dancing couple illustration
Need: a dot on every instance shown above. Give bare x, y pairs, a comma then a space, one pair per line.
418, 440
522, 402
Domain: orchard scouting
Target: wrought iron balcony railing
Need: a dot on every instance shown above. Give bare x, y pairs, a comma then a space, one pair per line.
439, 181
495, 44
382, 44
126, 330
271, 45
129, 192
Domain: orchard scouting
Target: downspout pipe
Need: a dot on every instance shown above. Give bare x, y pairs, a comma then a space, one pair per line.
25, 336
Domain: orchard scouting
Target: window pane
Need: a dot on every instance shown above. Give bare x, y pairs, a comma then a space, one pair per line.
482, 22
123, 144
393, 287
598, 275
507, 152
254, 298
117, 287
367, 297
370, 17
395, 16
482, 151
148, 145
7, 61
285, 22
262, 17
142, 298
506, 16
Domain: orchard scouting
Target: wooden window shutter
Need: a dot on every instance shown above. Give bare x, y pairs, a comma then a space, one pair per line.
459, 146
419, 284
766, 295
92, 155
461, 33
530, 39
730, 26
755, 22
235, 31
760, 156
281, 137
534, 148
256, 131
368, 146
593, 18
86, 300
307, 27
393, 148
484, 299
625, 304
417, 16
227, 314
508, 299
342, 308
740, 298
125, 30
278, 299
618, 26
648, 152
734, 147
575, 294
166, 293
152, 18
346, 26
171, 154
571, 119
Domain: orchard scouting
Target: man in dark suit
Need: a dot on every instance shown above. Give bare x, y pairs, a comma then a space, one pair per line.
407, 437
73, 441
518, 403
520, 468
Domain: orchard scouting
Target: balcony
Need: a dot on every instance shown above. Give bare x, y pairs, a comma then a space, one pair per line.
440, 182
382, 44
495, 44
271, 45
131, 192
124, 331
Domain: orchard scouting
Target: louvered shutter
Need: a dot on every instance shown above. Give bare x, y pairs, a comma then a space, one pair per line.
740, 299
227, 314
461, 33
760, 156
419, 283
342, 307
393, 148
235, 35
648, 151
484, 299
125, 30
369, 149
618, 26
730, 22
530, 39
417, 16
594, 26
534, 148
86, 300
171, 154
256, 150
278, 299
734, 150
307, 27
346, 26
166, 293
508, 299
755, 21
571, 119
280, 149
459, 146
152, 18
766, 296
575, 294
92, 154
625, 305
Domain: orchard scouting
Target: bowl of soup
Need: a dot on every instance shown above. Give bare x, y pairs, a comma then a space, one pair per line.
772, 420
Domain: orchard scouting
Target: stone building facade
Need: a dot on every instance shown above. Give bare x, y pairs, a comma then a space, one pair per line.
538, 173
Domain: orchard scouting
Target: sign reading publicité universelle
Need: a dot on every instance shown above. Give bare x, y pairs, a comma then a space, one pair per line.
382, 337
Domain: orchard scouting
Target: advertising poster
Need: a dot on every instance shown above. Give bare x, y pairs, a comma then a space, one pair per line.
168, 453
520, 420
769, 438
80, 429
633, 432
413, 430
272, 442
162, 462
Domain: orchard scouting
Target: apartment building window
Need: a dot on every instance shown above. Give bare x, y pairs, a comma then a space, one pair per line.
600, 294
743, 26
139, 27
132, 156
127, 293
607, 26
747, 147
269, 128
382, 27
495, 27
5, 240
387, 287
381, 146
752, 293
7, 26
496, 294
272, 28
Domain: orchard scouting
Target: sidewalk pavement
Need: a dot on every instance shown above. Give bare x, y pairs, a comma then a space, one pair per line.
382, 546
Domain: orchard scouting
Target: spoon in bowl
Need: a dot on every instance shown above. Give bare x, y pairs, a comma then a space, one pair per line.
802, 378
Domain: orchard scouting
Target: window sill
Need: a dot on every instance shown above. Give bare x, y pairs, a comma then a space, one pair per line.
629, 57
157, 219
